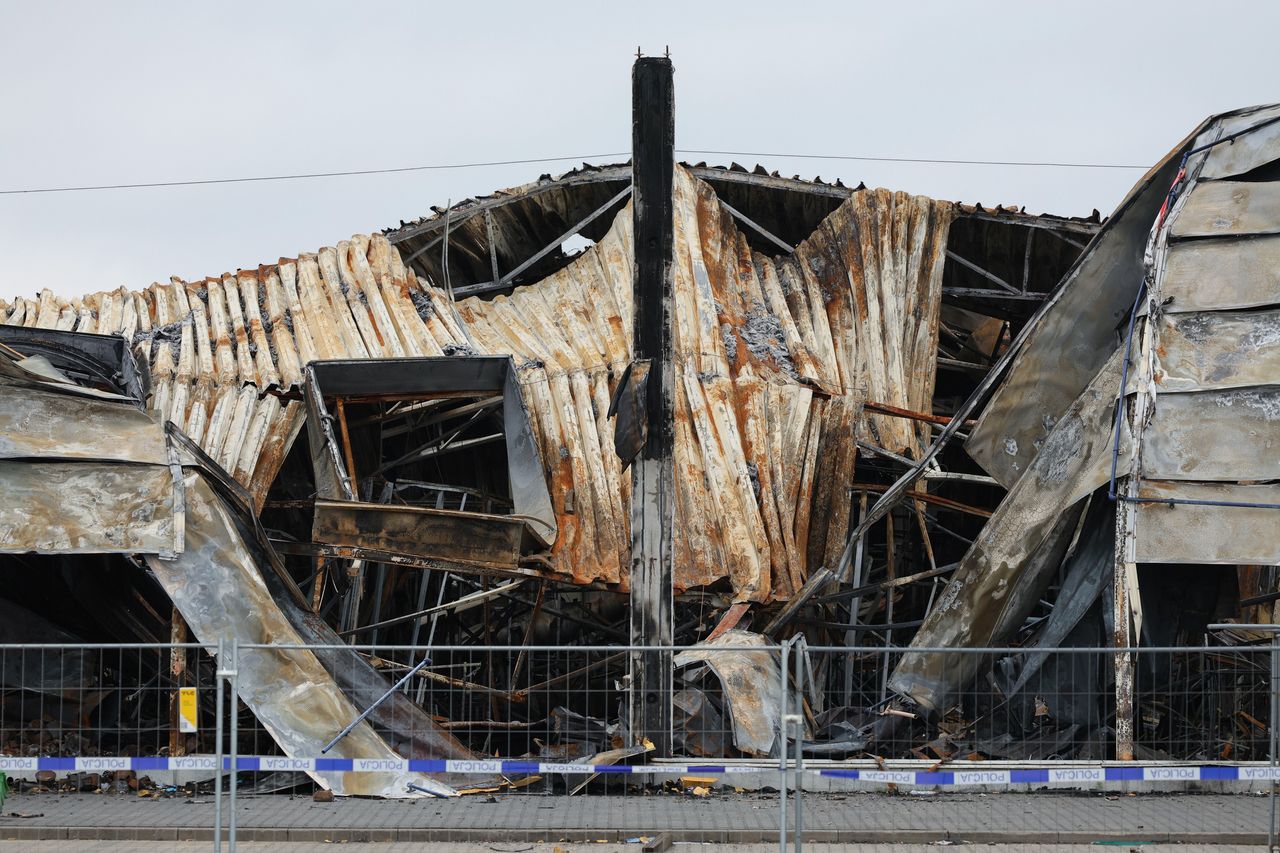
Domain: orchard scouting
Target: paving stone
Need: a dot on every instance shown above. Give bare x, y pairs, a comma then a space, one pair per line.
849, 818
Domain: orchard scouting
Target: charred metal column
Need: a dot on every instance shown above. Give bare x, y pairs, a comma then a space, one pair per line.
652, 495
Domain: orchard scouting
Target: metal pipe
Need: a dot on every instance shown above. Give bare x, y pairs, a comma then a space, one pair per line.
431, 635
1191, 502
462, 603
802, 671
379, 583
1275, 736
367, 711
784, 653
217, 739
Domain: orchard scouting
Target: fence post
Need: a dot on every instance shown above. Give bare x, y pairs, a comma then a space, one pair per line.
802, 672
1274, 691
784, 651
235, 742
217, 741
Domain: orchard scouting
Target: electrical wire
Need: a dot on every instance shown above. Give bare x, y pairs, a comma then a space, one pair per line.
533, 160
868, 159
303, 176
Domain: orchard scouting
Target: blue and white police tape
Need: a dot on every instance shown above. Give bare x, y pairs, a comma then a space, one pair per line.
1057, 775
274, 763
958, 777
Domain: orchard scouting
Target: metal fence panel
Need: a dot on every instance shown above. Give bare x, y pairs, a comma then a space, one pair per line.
789, 742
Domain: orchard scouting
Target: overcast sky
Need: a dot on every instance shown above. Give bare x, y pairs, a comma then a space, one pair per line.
117, 92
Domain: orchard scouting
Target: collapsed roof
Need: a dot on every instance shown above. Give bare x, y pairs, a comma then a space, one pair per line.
778, 349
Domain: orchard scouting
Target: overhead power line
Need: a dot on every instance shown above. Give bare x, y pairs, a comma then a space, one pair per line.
1041, 163
533, 160
304, 175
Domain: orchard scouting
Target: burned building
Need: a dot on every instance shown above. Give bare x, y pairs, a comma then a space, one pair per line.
427, 437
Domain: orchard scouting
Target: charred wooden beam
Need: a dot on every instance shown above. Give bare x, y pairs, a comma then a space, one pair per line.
653, 499
493, 246
891, 583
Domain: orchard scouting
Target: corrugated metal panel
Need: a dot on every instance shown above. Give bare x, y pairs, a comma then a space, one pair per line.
1218, 350
1207, 534
1214, 435
764, 463
751, 332
86, 508
1229, 208
221, 582
215, 347
1225, 274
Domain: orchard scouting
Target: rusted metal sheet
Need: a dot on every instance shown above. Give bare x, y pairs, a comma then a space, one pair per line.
1072, 335
86, 507
749, 330
1214, 435
1006, 570
762, 461
848, 306
1248, 152
1229, 208
1190, 533
749, 678
1217, 350
471, 537
1221, 275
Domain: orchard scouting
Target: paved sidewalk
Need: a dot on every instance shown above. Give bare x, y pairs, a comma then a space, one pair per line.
586, 847
1025, 819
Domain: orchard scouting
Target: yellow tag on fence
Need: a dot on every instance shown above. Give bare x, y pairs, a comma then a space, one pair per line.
187, 709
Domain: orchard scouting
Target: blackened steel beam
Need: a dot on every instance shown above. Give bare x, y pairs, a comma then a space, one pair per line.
653, 500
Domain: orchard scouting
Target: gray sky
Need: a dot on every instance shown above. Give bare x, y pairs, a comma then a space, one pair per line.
122, 92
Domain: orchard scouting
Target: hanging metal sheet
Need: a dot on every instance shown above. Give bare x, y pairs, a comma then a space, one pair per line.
1188, 533
1071, 336
430, 378
221, 593
1227, 208
1011, 562
749, 678
50, 425
1214, 435
86, 507
1218, 350
1221, 275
